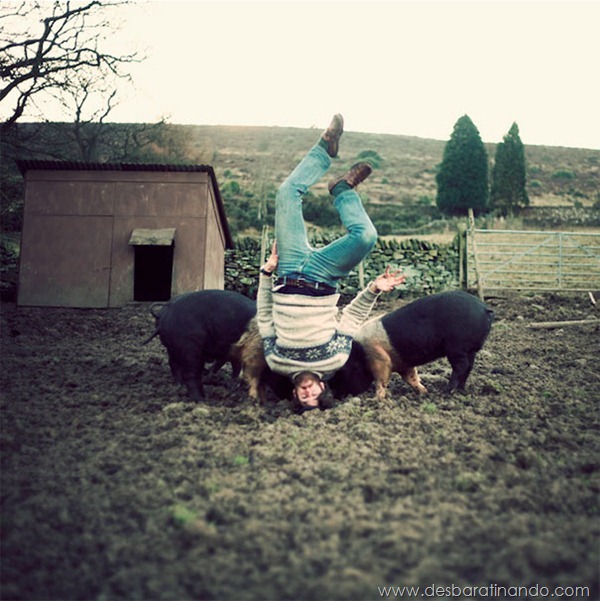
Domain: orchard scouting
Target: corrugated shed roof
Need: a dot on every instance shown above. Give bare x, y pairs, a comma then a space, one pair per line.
36, 164
27, 165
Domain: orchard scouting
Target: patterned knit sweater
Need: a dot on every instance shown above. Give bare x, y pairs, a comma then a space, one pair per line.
303, 333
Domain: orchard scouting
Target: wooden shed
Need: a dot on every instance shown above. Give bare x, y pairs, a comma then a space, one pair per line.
102, 235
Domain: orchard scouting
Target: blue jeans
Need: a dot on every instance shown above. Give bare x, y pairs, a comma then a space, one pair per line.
296, 256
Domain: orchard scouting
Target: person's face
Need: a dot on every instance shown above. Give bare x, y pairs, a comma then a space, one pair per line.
308, 390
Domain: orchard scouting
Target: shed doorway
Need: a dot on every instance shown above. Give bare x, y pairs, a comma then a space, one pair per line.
153, 264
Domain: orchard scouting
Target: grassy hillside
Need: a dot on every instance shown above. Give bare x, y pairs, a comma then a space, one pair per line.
259, 158
251, 162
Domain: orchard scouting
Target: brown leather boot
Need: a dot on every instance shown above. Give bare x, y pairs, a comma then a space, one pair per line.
333, 134
355, 175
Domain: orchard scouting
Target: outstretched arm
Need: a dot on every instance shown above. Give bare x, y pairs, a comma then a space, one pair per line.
354, 314
273, 260
264, 299
387, 281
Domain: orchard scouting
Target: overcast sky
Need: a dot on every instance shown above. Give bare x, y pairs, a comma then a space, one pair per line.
397, 67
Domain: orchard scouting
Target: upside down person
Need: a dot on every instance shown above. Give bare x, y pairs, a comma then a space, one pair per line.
297, 312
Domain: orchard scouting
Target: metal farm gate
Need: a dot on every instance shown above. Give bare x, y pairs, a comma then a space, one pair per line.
531, 260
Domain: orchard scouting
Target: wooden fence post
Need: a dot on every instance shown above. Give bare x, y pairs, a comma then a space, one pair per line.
264, 241
475, 259
463, 265
361, 275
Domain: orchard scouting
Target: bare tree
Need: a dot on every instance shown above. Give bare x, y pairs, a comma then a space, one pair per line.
78, 98
67, 46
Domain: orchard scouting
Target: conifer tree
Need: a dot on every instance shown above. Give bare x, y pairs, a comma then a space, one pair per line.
462, 179
508, 175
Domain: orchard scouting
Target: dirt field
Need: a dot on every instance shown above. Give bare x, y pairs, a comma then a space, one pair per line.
115, 486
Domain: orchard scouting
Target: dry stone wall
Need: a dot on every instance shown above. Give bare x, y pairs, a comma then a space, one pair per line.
429, 267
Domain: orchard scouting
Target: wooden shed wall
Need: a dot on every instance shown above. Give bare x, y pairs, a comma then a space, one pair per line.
214, 264
77, 226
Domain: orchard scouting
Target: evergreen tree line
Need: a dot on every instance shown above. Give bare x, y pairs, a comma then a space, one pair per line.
463, 179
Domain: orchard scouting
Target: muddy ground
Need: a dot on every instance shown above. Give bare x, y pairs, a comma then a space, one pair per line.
115, 486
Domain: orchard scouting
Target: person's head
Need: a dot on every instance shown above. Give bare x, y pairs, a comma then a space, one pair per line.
311, 392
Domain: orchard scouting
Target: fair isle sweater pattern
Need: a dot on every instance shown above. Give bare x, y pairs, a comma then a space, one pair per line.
307, 333
338, 344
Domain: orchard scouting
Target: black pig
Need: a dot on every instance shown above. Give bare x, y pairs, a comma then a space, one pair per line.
449, 324
200, 327
215, 325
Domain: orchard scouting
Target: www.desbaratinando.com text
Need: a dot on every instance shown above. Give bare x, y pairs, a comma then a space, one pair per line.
490, 591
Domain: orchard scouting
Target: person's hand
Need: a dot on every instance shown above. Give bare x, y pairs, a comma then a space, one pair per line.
387, 281
273, 260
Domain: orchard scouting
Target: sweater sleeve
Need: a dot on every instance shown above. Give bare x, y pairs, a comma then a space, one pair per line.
354, 314
264, 307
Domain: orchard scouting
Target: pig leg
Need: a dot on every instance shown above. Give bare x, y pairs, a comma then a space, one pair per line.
191, 373
411, 377
236, 368
462, 364
248, 353
175, 370
254, 366
193, 381
256, 388
380, 365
